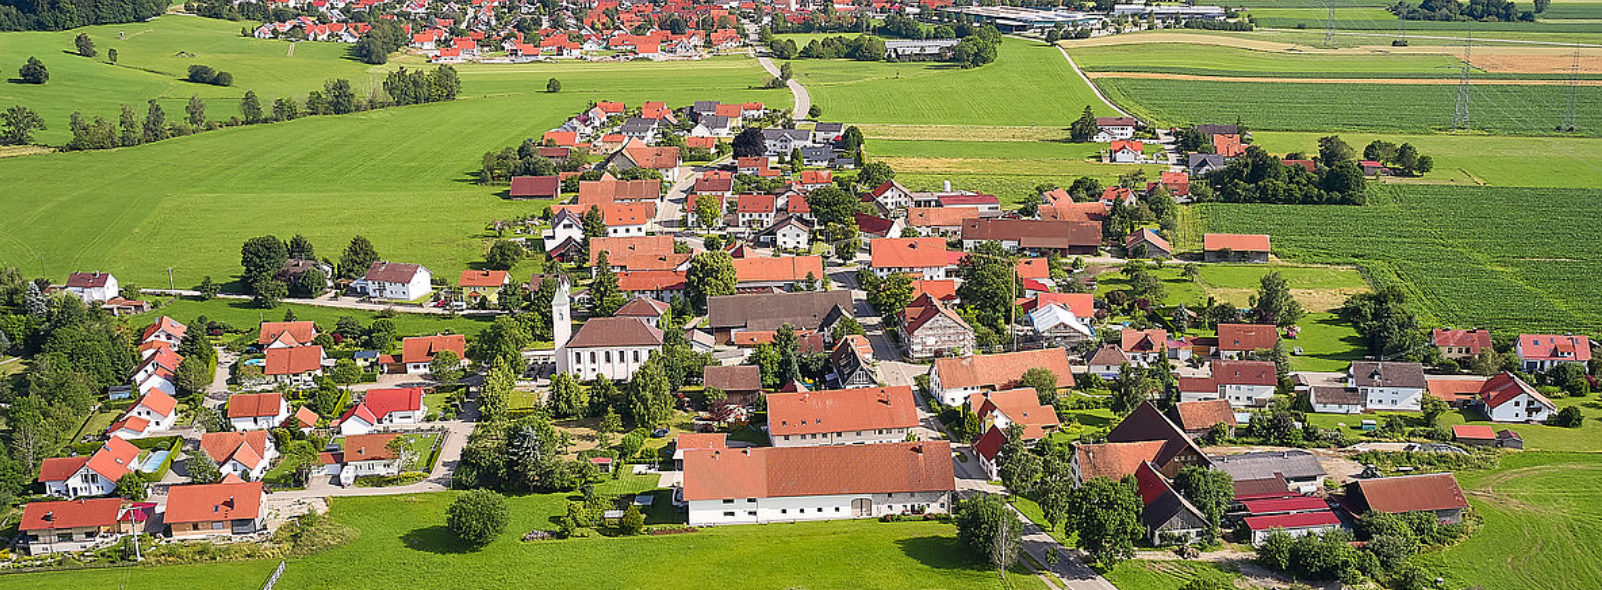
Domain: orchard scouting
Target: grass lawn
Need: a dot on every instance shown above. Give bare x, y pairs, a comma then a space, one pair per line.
1030, 84
1537, 437
1542, 525
408, 535
399, 176
1163, 575
1470, 160
1179, 289
1009, 168
1328, 343
423, 446
97, 423
1317, 288
1444, 246
241, 314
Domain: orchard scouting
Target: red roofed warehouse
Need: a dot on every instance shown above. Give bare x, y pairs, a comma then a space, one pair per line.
1235, 247
1433, 492
787, 484
841, 417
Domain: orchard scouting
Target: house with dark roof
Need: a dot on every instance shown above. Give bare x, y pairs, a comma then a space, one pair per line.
1244, 384
612, 347
394, 281
1040, 236
742, 383
1300, 470
1147, 423
535, 187
1437, 493
1169, 518
1335, 400
1388, 385
790, 484
853, 363
806, 310
869, 415
92, 287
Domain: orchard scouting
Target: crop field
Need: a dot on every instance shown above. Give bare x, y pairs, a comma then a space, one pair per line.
1379, 19
1564, 11
1012, 162
1185, 58
1029, 84
1470, 160
400, 176
1413, 108
1542, 525
1508, 259
408, 535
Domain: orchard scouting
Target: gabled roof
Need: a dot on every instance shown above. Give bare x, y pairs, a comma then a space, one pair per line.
70, 514
940, 216
483, 278
1475, 339
61, 468
248, 448
87, 280
1506, 387
214, 502
254, 405
1554, 347
619, 190
805, 310
379, 403
1141, 341
637, 252
1393, 374
1114, 460
1324, 518
1247, 337
384, 271
908, 252
1244, 373
1106, 356
1473, 432
1032, 233
422, 349
1291, 464
164, 324
732, 378
783, 269
299, 332
775, 472
989, 445
1082, 305
1235, 242
841, 410
944, 290
158, 402
1410, 493
294, 361
536, 186
642, 307
1201, 415
367, 447
1000, 371
1021, 406
1148, 423
609, 332
925, 308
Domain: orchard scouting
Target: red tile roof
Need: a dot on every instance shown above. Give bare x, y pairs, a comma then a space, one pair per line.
613, 332
1554, 347
1132, 340
1288, 504
254, 405
1115, 460
1473, 432
1235, 242
773, 472
1505, 387
367, 447
294, 361
379, 403
1456, 390
786, 269
1244, 373
158, 402
421, 349
60, 468
1434, 491
1022, 406
1202, 415
164, 324
246, 447
1475, 340
214, 502
113, 459
483, 278
651, 280
1083, 305
841, 410
908, 252
1247, 337
300, 332
43, 516
1292, 521
756, 204
942, 290
940, 216
619, 190
636, 252
87, 280
1002, 370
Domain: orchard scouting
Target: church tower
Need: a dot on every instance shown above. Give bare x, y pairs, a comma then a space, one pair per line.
562, 323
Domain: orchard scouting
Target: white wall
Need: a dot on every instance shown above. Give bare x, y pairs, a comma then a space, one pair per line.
803, 508
1518, 410
624, 361
849, 437
1402, 399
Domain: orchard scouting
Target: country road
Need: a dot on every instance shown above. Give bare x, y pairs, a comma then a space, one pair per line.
803, 99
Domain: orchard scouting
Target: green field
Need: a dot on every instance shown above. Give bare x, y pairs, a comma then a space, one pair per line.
1542, 526
1407, 108
1010, 168
399, 176
406, 534
1502, 259
1029, 84
1379, 19
1472, 159
1537, 437
1194, 59
152, 61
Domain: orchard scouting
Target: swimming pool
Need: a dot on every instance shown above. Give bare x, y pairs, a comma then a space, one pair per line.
154, 461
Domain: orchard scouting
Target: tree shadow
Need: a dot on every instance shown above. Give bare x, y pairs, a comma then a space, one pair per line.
943, 553
436, 539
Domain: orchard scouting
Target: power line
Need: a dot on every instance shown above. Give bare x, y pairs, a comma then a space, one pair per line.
1460, 116
1329, 26
1569, 124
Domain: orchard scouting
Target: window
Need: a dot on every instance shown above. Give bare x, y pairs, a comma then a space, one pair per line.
64, 537
836, 508
607, 355
217, 526
750, 500
784, 511
750, 513
728, 501
592, 357
729, 514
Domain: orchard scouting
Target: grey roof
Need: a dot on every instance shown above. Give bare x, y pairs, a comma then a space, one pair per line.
1218, 129
1378, 374
816, 153
804, 310
1266, 465
794, 134
1196, 162
638, 125
1335, 395
829, 127
704, 106
715, 121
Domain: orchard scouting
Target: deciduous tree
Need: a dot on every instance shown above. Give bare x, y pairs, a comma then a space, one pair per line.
477, 516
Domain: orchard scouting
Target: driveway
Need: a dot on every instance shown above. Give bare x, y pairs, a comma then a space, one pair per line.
439, 480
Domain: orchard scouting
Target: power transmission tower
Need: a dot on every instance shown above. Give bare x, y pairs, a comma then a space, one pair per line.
1569, 124
1460, 117
1329, 26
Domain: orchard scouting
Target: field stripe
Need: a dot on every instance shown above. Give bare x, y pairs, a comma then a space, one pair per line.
1272, 80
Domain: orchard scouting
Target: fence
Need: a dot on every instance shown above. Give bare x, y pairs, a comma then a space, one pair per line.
273, 579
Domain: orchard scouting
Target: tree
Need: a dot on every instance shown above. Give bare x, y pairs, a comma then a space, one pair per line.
814, 111
852, 140
250, 108
708, 214
989, 282
196, 110
155, 123
285, 109
1209, 490
553, 86
85, 45
207, 288
1332, 151
1433, 408
341, 97
194, 375
605, 295
345, 372
267, 293
568, 399
1385, 322
1106, 515
358, 257
262, 257
711, 274
446, 367
873, 174
633, 521
891, 295
985, 523
33, 72
1043, 381
477, 516
650, 396
132, 132
300, 459
133, 485
1568, 417
832, 205
202, 469
504, 254
111, 55
502, 343
1084, 128
1273, 303
18, 123
750, 143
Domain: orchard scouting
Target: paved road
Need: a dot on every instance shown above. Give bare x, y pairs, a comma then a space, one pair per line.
803, 99
1069, 566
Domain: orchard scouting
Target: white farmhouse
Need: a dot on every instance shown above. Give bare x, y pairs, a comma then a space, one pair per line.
92, 287
1389, 386
841, 417
94, 475
1246, 384
257, 411
394, 280
1506, 398
383, 407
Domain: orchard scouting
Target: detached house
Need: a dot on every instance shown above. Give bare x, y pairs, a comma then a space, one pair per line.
417, 353
362, 455
382, 407
666, 160
1460, 344
1389, 386
94, 475
155, 412
1244, 384
788, 484
954, 380
78, 525
203, 510
245, 455
286, 334
1237, 341
841, 417
1002, 409
1111, 128
925, 257
1507, 398
1541, 352
257, 411
853, 362
483, 284
395, 281
931, 329
295, 366
92, 287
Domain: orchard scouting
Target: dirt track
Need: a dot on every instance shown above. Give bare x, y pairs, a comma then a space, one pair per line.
1443, 81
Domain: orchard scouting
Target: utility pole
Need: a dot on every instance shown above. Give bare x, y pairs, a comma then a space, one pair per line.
170, 286
1460, 116
1569, 124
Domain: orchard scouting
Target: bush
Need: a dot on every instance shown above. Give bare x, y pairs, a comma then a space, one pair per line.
206, 75
385, 481
1568, 417
477, 516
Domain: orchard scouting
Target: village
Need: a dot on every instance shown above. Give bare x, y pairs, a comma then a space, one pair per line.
841, 347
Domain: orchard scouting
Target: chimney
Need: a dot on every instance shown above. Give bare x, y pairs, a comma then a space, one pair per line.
946, 185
